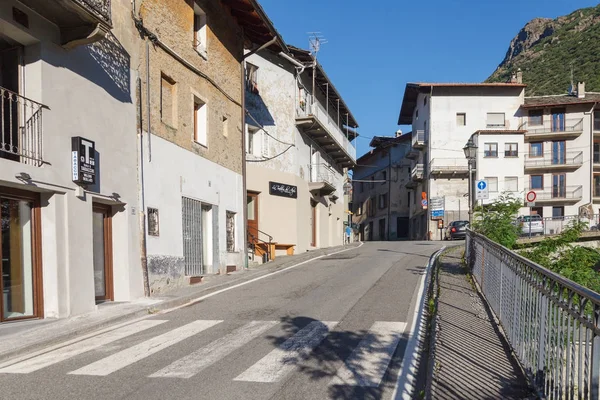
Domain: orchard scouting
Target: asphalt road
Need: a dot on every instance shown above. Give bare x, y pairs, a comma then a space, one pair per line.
335, 328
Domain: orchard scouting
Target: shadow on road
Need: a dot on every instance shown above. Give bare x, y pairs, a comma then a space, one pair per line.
324, 363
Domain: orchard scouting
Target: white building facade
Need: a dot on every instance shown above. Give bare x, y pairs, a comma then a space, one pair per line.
298, 146
68, 114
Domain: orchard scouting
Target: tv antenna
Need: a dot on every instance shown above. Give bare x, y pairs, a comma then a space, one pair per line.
315, 40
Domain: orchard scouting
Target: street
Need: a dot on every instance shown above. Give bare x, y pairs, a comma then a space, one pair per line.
336, 327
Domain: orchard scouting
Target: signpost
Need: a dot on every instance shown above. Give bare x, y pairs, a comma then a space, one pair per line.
482, 190
530, 197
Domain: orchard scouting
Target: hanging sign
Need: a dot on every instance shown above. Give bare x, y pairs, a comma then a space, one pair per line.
83, 163
283, 190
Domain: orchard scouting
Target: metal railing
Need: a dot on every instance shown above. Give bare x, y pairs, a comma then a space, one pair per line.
100, 8
551, 323
20, 128
558, 193
555, 225
568, 125
316, 110
419, 138
570, 158
323, 173
417, 173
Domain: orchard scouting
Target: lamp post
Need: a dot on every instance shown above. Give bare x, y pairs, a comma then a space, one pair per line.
470, 150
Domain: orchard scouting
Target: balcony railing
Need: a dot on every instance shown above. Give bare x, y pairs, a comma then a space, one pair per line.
417, 172
316, 110
323, 178
558, 193
568, 126
555, 160
449, 166
100, 8
20, 128
419, 138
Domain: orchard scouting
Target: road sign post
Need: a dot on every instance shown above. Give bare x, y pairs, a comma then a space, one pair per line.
530, 197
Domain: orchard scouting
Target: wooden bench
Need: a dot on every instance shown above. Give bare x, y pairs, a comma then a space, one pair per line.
289, 248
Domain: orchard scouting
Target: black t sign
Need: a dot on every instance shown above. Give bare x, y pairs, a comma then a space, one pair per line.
83, 162
283, 190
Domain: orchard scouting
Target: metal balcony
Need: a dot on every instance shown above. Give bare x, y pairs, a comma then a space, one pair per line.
558, 195
417, 174
315, 122
570, 161
449, 168
80, 21
567, 129
20, 128
323, 179
419, 139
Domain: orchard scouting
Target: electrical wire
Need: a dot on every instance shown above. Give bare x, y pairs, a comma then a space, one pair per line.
262, 128
270, 158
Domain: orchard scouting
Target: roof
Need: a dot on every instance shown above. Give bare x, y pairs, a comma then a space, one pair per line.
321, 78
565, 99
381, 140
257, 26
409, 102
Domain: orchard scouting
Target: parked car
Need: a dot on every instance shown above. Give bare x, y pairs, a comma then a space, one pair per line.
456, 230
533, 224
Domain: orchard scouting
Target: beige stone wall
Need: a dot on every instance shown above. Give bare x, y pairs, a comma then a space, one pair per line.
173, 21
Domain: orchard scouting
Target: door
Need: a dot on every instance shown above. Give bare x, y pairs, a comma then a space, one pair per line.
559, 152
382, 229
20, 255
252, 204
313, 223
402, 227
102, 249
558, 119
10, 70
559, 188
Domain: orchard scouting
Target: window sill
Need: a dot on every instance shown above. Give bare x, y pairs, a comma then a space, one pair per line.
511, 156
198, 144
490, 156
201, 52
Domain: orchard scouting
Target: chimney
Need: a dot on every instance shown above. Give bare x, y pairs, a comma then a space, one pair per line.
581, 90
513, 78
519, 76
398, 133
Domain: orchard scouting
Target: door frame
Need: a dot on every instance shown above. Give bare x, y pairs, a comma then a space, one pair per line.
559, 186
313, 238
36, 256
255, 196
558, 118
106, 210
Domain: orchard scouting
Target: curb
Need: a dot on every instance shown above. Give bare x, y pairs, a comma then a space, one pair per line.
160, 308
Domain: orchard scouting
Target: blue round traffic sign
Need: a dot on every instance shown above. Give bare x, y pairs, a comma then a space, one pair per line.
481, 185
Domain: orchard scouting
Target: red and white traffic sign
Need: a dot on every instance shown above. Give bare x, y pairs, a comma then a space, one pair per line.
530, 196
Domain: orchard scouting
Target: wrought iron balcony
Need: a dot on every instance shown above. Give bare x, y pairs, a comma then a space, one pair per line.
323, 179
20, 128
315, 122
558, 195
554, 161
567, 129
80, 21
449, 167
419, 139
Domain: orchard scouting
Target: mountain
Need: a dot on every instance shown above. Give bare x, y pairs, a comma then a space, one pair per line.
547, 50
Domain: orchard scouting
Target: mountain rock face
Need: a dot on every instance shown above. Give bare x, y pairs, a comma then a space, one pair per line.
549, 50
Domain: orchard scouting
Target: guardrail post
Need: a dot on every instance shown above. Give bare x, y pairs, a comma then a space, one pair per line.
541, 361
595, 362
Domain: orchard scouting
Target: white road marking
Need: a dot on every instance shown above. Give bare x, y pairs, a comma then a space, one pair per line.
194, 363
284, 359
145, 349
64, 353
369, 361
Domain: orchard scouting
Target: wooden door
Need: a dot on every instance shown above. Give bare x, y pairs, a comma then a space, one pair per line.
252, 204
102, 252
313, 223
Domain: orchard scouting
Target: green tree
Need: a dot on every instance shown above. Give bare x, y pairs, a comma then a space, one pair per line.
496, 220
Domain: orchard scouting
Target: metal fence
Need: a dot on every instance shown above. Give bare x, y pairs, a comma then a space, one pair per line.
192, 217
555, 225
551, 322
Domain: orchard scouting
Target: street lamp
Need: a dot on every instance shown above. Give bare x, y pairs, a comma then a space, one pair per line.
470, 150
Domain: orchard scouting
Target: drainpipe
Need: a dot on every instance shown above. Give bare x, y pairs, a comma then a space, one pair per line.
389, 199
142, 214
592, 147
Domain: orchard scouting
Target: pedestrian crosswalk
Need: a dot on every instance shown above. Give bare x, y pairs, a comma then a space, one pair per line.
365, 366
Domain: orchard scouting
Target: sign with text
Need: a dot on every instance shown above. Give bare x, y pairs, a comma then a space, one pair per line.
83, 162
283, 190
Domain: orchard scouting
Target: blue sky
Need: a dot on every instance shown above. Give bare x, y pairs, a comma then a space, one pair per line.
375, 48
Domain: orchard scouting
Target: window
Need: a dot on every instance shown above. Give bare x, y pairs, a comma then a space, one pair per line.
425, 100
596, 185
511, 184
384, 177
490, 150
230, 220
265, 145
495, 120
537, 211
537, 182
536, 149
252, 142
225, 121
153, 222
383, 200
417, 114
168, 101
597, 120
511, 150
359, 209
558, 212
536, 117
461, 119
252, 78
200, 134
200, 43
408, 196
492, 183
559, 186
596, 152
362, 187
371, 207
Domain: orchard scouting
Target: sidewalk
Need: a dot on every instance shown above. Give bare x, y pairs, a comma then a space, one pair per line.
471, 358
29, 336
